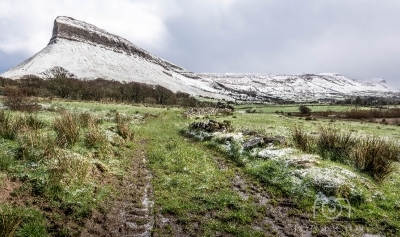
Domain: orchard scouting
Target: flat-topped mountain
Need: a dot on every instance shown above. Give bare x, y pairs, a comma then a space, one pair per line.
89, 52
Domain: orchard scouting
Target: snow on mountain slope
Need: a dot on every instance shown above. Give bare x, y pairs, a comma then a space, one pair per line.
299, 87
90, 52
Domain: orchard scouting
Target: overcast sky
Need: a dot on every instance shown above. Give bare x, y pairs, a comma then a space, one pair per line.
359, 39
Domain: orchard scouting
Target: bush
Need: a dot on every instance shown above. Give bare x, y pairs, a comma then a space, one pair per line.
67, 130
375, 156
18, 99
304, 109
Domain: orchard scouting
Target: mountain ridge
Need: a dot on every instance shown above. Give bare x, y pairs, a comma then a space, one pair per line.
90, 52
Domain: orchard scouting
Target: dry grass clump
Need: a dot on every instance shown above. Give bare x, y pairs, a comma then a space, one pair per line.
123, 128
94, 137
69, 168
301, 139
86, 119
375, 156
9, 222
67, 130
334, 145
35, 146
10, 125
8, 128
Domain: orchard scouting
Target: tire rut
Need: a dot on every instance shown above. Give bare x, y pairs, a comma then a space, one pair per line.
279, 219
131, 211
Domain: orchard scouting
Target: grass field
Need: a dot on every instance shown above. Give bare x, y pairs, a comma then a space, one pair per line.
68, 163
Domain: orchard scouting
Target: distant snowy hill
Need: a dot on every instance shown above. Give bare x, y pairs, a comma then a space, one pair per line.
90, 52
302, 87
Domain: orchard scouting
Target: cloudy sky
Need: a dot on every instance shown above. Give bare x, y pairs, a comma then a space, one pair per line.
359, 39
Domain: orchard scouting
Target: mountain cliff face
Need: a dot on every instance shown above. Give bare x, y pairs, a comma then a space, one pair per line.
90, 52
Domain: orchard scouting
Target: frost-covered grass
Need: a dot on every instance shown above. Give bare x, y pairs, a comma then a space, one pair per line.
188, 181
57, 161
305, 178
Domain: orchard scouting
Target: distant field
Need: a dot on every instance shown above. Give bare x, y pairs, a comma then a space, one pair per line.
292, 108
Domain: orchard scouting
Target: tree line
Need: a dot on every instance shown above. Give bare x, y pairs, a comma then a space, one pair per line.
58, 82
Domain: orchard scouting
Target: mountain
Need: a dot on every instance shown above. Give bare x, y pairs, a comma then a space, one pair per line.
301, 87
89, 52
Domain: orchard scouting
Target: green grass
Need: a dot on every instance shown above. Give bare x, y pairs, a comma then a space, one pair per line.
189, 185
373, 202
187, 180
53, 159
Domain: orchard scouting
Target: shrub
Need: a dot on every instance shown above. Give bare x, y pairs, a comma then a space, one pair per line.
304, 109
18, 99
67, 130
375, 156
235, 150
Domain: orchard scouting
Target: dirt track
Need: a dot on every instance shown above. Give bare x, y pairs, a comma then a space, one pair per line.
131, 214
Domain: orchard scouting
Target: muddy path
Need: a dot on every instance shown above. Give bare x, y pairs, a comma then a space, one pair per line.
131, 211
281, 216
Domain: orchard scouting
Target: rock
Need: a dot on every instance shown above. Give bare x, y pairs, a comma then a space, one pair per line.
206, 111
271, 153
253, 142
249, 132
211, 126
276, 140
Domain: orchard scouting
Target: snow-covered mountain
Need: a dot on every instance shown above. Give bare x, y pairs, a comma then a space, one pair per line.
301, 87
90, 52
